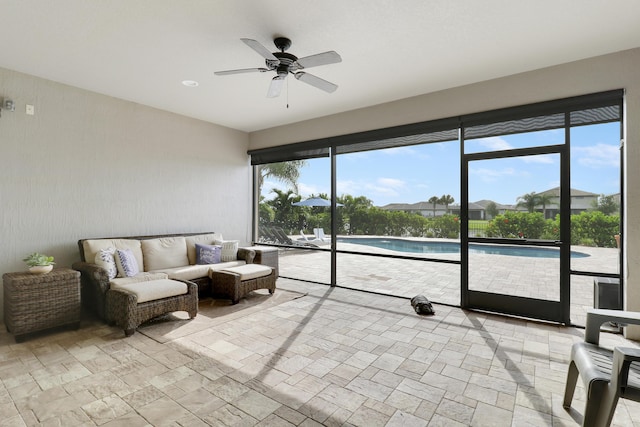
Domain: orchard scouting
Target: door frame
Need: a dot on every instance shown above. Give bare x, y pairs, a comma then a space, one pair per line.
556, 311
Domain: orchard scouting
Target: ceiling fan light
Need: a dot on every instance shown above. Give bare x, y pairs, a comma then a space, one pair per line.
275, 87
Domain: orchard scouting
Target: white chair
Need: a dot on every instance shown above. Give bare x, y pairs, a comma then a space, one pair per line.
607, 375
319, 233
307, 241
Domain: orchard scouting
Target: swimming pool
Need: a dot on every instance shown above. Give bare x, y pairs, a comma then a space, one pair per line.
437, 247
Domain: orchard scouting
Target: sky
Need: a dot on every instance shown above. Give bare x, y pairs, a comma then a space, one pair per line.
416, 173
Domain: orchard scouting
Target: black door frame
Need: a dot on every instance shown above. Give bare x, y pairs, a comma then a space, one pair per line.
556, 311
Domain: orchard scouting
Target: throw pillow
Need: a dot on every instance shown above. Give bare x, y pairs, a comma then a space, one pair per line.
105, 259
126, 263
229, 250
208, 254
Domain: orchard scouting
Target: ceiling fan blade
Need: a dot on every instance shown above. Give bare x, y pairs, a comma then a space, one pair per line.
262, 51
316, 82
324, 58
241, 71
276, 87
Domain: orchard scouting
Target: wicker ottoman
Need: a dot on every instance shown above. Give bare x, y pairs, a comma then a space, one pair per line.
236, 282
125, 310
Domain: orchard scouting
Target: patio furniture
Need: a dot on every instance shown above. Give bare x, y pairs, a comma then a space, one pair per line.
607, 375
267, 235
319, 233
236, 282
35, 302
164, 256
129, 305
266, 255
314, 242
278, 236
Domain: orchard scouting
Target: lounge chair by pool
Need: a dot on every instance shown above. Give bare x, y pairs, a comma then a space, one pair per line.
319, 233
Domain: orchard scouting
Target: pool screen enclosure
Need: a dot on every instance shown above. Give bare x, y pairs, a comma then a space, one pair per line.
526, 148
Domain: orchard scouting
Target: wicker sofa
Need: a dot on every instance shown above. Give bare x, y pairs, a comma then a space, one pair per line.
167, 256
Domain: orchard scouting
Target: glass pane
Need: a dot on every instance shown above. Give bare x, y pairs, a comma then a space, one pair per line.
400, 201
532, 272
515, 198
595, 197
282, 220
400, 277
510, 142
306, 264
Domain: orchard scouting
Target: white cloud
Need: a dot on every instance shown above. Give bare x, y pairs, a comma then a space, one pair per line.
391, 182
598, 156
380, 187
540, 158
348, 187
306, 190
494, 143
491, 175
405, 151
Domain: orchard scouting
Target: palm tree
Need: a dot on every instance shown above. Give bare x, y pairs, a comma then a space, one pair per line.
434, 200
544, 200
528, 201
446, 200
285, 172
286, 215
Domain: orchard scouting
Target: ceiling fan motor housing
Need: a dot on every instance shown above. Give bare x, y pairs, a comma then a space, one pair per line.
285, 63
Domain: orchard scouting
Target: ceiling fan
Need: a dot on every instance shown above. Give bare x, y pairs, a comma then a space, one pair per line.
284, 63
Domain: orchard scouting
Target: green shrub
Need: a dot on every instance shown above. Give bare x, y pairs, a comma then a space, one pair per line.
594, 228
445, 226
517, 225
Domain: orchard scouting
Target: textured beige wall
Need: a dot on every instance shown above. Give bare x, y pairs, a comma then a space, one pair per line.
88, 165
614, 71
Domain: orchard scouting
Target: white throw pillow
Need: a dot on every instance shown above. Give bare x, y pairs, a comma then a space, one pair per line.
229, 250
126, 263
105, 259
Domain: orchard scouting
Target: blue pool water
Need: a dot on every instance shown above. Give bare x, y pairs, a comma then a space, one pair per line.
421, 247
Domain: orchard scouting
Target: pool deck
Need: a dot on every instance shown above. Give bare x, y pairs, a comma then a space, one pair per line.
440, 282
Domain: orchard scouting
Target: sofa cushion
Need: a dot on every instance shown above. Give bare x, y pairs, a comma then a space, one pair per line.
208, 254
140, 277
92, 246
155, 289
164, 252
205, 239
229, 249
249, 271
191, 272
126, 263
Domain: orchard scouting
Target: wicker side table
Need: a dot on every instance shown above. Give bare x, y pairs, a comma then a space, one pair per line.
34, 302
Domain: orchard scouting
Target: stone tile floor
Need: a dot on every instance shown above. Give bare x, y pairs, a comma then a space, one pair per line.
334, 357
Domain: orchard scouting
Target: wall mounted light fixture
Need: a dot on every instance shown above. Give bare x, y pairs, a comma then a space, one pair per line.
7, 104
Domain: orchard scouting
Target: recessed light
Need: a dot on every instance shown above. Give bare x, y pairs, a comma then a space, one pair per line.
190, 83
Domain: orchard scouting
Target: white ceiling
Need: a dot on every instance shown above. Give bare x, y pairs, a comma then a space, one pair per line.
141, 50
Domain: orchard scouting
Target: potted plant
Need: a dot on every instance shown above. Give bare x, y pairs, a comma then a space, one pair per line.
39, 263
